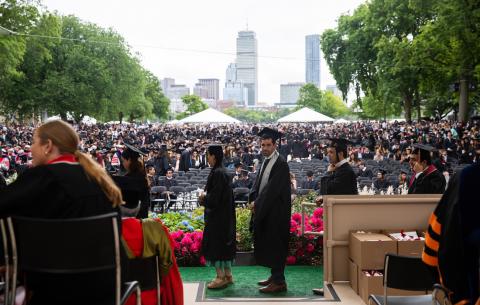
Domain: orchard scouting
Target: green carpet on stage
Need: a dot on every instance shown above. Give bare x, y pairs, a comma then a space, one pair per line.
300, 280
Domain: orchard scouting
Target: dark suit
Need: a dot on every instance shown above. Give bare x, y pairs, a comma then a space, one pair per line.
365, 173
310, 185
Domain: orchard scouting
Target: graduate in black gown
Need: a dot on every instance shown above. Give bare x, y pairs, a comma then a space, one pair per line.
219, 235
133, 184
428, 179
63, 183
340, 178
271, 198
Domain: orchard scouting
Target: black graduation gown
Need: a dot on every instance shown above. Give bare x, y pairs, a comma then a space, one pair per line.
219, 235
271, 220
134, 187
58, 191
342, 181
433, 183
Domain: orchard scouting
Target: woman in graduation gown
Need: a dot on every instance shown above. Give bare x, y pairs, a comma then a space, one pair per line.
63, 183
219, 235
134, 184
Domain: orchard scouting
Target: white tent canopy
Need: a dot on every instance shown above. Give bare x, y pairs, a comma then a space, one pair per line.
209, 115
305, 115
341, 121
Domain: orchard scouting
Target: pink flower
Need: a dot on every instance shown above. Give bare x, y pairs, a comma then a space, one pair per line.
308, 227
318, 213
197, 236
297, 217
203, 262
310, 248
186, 241
293, 229
291, 260
293, 223
176, 245
195, 247
184, 250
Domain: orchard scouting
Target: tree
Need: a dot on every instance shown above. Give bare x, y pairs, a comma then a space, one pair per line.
194, 105
324, 102
154, 94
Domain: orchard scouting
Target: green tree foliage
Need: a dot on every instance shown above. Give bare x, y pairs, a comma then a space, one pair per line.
406, 55
194, 105
321, 101
65, 65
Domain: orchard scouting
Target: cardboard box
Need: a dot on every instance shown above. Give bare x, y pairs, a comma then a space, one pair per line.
409, 247
368, 250
353, 271
368, 285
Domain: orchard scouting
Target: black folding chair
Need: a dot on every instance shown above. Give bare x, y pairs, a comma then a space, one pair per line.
157, 198
407, 273
70, 247
240, 195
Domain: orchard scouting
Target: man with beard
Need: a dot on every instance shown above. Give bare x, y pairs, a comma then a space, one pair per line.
428, 180
271, 199
340, 178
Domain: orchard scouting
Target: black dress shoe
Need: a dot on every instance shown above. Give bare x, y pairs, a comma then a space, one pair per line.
265, 282
273, 288
318, 291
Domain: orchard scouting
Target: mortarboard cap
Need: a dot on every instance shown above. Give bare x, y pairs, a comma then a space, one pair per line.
425, 151
269, 133
132, 151
339, 143
215, 149
424, 147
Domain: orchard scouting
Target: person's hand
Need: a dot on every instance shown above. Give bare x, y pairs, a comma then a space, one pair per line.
331, 168
201, 199
319, 201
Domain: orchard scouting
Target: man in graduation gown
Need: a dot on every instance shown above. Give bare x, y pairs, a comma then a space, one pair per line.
428, 180
271, 198
340, 178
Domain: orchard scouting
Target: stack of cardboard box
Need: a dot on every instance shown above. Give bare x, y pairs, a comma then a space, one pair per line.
367, 255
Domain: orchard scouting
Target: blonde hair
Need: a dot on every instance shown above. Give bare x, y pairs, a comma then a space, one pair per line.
66, 139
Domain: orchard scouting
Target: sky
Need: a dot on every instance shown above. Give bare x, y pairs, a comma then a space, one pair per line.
188, 40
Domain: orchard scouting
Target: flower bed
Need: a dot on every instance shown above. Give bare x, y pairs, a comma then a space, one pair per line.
186, 229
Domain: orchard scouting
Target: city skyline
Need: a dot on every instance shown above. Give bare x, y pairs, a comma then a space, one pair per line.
188, 40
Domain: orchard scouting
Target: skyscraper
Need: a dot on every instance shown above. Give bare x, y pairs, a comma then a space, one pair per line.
247, 64
213, 87
312, 59
290, 92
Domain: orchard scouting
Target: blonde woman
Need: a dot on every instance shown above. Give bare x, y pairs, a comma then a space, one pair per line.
63, 183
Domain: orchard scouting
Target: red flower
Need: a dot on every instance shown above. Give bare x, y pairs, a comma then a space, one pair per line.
310, 248
186, 241
318, 213
291, 260
297, 217
203, 262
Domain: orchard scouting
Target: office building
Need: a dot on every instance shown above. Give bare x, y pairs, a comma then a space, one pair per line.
247, 63
312, 60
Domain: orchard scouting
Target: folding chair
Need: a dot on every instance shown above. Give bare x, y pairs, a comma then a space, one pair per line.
440, 295
70, 247
179, 192
156, 197
240, 194
407, 273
